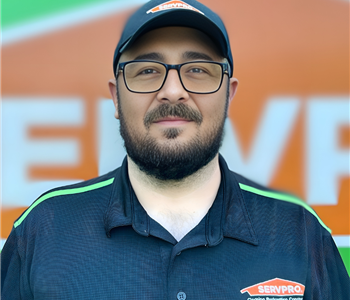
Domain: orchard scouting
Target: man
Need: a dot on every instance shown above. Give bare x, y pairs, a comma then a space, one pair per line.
172, 222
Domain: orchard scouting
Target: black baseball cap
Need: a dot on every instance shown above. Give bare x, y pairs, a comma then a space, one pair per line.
162, 13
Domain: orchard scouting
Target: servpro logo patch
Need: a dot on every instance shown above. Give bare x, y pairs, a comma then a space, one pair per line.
173, 4
275, 287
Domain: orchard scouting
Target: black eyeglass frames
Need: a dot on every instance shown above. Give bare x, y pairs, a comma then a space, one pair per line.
199, 77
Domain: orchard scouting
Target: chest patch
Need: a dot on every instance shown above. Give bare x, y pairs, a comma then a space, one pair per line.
276, 287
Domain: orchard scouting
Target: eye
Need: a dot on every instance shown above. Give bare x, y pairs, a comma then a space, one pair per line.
148, 71
196, 70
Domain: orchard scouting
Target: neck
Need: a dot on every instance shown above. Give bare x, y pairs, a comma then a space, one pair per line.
177, 205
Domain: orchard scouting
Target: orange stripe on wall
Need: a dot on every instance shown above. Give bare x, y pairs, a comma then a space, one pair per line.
8, 217
345, 137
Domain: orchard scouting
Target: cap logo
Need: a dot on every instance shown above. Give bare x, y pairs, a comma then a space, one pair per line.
171, 5
275, 287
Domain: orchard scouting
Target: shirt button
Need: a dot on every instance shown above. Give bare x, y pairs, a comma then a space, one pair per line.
181, 296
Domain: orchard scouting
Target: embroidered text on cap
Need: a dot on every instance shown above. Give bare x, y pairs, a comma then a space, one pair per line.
173, 4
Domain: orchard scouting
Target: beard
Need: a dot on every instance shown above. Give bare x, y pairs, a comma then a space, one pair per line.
173, 160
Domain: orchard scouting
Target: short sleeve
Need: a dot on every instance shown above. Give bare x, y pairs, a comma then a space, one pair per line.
327, 275
10, 269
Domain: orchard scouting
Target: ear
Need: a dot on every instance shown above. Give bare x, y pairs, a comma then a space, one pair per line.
233, 82
112, 84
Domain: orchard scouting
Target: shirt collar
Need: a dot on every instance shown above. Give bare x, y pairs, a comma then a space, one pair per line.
123, 208
228, 216
237, 222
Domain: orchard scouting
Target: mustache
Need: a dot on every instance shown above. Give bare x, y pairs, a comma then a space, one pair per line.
179, 110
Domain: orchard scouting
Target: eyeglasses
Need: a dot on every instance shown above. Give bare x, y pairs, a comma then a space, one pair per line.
199, 77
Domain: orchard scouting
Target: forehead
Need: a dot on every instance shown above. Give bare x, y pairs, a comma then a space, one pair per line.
171, 43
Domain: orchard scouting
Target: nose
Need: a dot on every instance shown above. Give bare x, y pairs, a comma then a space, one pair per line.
172, 90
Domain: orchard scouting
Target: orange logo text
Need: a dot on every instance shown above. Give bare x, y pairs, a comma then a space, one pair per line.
275, 287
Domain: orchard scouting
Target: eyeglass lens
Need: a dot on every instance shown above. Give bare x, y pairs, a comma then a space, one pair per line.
197, 77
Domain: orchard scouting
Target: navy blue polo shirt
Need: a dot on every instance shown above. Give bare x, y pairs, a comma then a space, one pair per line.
93, 240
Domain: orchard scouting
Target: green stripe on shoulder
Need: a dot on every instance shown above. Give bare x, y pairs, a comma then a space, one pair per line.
284, 197
61, 193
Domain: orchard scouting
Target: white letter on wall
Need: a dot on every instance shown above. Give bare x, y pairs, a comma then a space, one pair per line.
326, 162
270, 139
20, 152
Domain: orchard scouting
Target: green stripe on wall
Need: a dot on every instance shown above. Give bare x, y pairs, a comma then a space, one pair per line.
283, 197
18, 11
61, 193
345, 254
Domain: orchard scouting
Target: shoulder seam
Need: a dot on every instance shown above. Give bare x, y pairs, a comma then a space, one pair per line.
62, 193
284, 197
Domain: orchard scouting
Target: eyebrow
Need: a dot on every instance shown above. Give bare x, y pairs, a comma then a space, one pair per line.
196, 55
152, 55
188, 55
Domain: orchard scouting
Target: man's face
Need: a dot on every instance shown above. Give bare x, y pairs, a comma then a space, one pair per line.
170, 134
